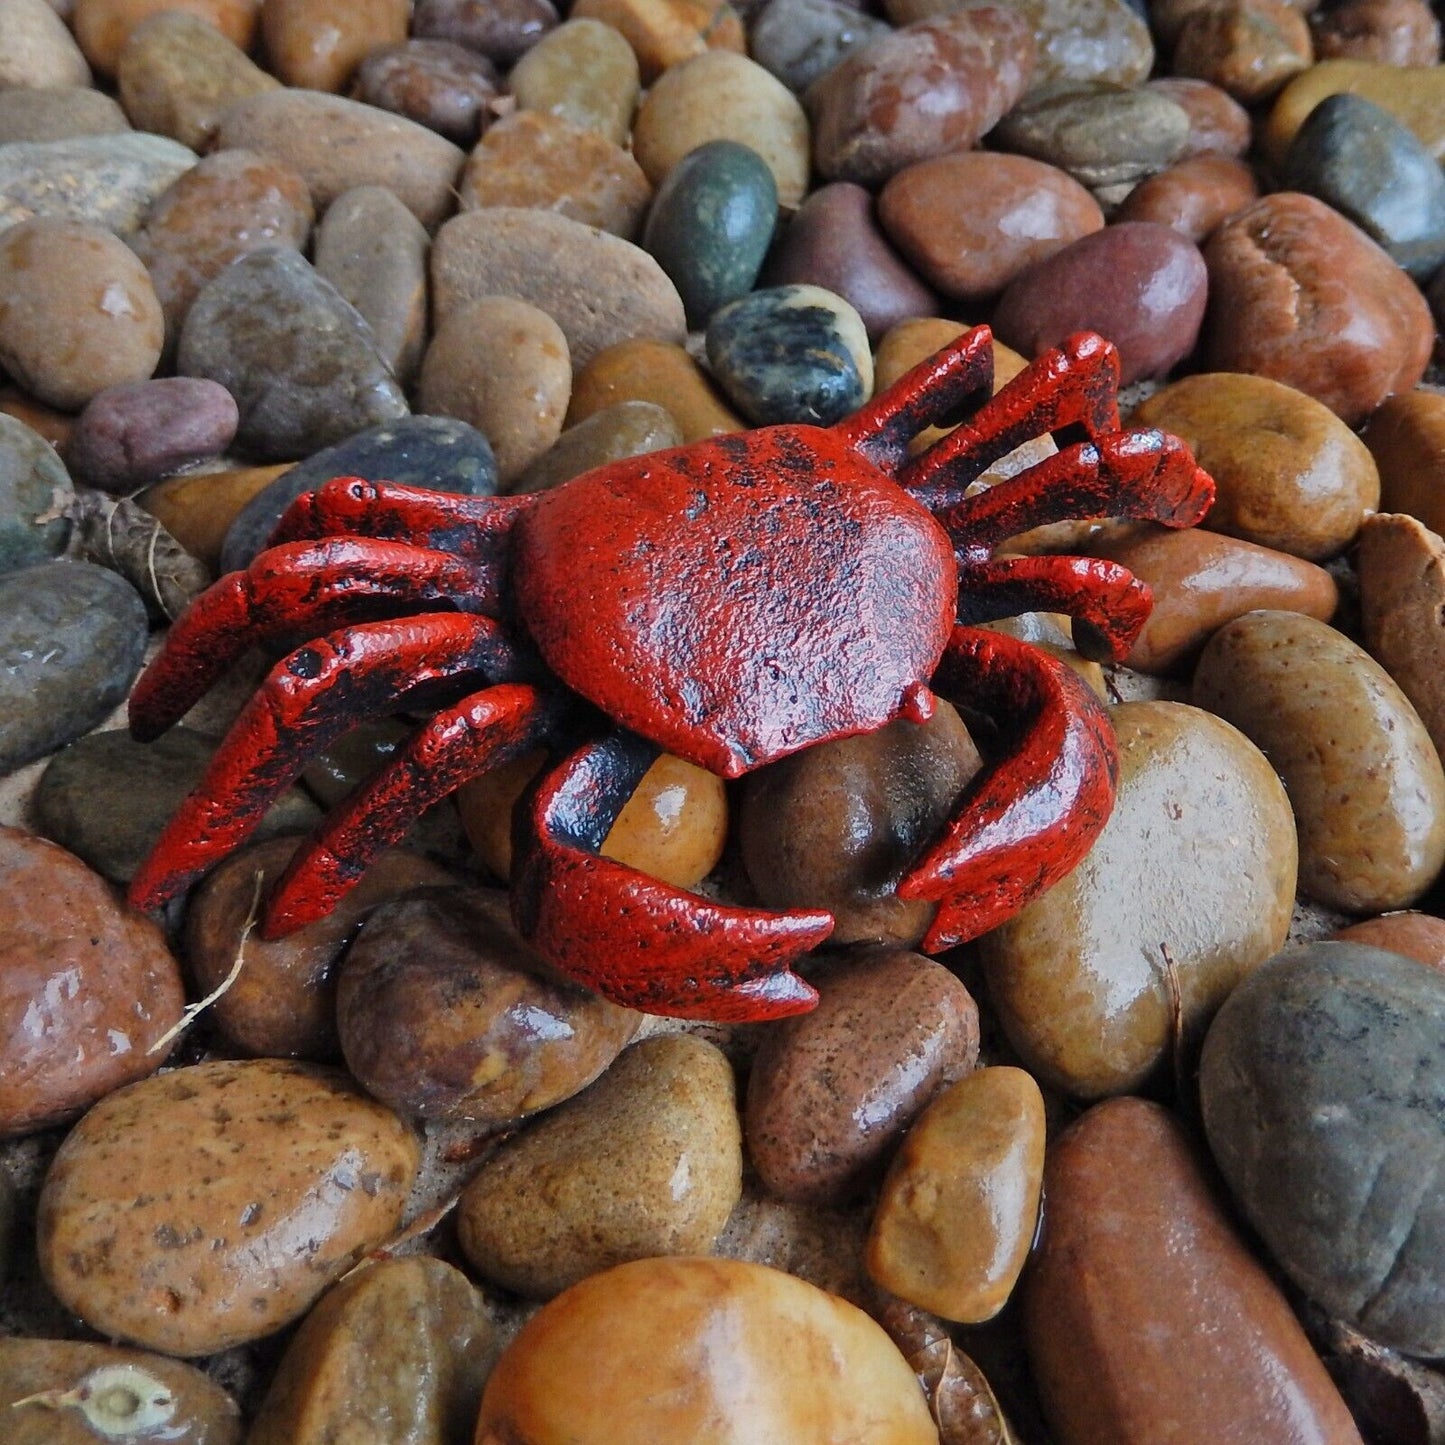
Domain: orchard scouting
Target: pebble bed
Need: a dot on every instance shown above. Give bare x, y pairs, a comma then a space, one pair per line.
1160, 1158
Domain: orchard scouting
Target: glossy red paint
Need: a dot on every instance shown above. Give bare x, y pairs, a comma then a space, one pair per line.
732, 602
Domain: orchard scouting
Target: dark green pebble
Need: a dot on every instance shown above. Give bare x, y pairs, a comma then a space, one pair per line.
33, 484
710, 224
1355, 156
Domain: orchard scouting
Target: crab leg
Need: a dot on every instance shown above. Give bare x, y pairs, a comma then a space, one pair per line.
1024, 823
632, 938
299, 589
482, 730
1070, 390
308, 700
1146, 476
1108, 603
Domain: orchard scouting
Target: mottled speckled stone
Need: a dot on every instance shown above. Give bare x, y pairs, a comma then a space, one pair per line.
800, 41
33, 483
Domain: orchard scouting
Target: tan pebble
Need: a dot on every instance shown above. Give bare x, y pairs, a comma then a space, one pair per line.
317, 44
39, 52
1420, 936
1288, 473
674, 825
646, 1162
78, 312
1084, 979
655, 371
664, 33
957, 1211
374, 251
1413, 94
657, 1323
399, 1351
103, 26
583, 72
59, 113
1401, 569
597, 287
1365, 782
543, 162
1192, 196
177, 73
502, 366
339, 144
1406, 437
1201, 580
722, 96
198, 510
1248, 48
170, 1216
1147, 1316
625, 429
485, 804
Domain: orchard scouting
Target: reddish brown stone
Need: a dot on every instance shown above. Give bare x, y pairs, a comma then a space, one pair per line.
1192, 197
1420, 936
436, 83
1300, 295
1217, 122
1147, 1319
972, 221
1249, 48
868, 119
1387, 32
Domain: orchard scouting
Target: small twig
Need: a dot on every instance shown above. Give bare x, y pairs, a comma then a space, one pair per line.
424, 1223
193, 1011
1176, 1021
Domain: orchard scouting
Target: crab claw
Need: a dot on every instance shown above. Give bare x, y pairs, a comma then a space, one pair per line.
634, 939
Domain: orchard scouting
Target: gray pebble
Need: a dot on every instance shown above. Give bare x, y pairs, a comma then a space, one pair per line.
33, 484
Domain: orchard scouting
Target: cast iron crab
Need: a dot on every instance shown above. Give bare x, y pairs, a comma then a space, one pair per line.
731, 601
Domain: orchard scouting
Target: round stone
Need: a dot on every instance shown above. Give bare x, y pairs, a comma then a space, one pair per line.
583, 72
1192, 196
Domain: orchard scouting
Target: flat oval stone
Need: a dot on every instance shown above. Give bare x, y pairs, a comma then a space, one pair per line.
722, 96
1143, 286
299, 359
59, 114
1218, 124
710, 223
647, 1162
445, 1013
1103, 136
1406, 437
1365, 782
960, 1204
1201, 580
398, 1352
1401, 569
177, 74
1147, 1316
832, 1091
88, 987
972, 221
598, 288
107, 797
1248, 48
973, 65
338, 144
437, 83
71, 641
132, 435
800, 41
179, 1216
101, 180
833, 240
1192, 196
1081, 978
534, 161
658, 1323
1279, 307
40, 51
583, 72
33, 484
1288, 473
111, 1394
791, 354
659, 372
437, 452
1355, 156
374, 251
1321, 1087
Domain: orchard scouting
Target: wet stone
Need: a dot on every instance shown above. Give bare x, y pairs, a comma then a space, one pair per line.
71, 641
1192, 196
300, 360
658, 372
1358, 158
502, 30
59, 114
33, 484
1087, 40
437, 83
710, 224
583, 72
625, 429
1320, 1087
317, 44
800, 41
107, 797
1248, 48
436, 452
1217, 122
791, 354
1406, 437
1387, 32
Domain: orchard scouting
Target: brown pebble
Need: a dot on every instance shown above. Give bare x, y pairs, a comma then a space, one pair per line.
103, 26
1248, 48
54, 426
58, 114
445, 87
198, 510
1420, 936
656, 371
1193, 196
1406, 437
1278, 306
584, 72
40, 52
1217, 122
1386, 32
1147, 1318
624, 429
663, 33
317, 44
502, 30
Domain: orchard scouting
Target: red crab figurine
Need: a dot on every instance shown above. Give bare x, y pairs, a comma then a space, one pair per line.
732, 602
